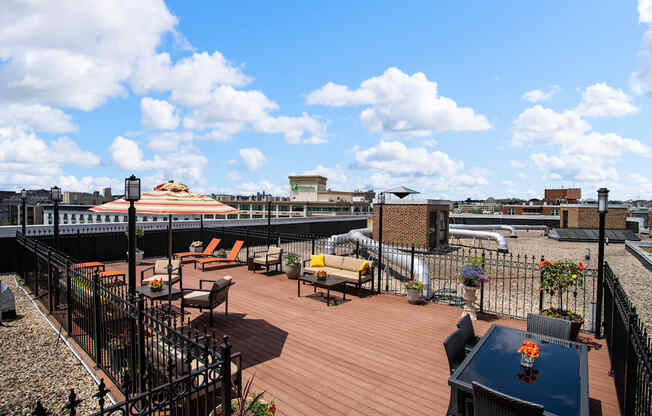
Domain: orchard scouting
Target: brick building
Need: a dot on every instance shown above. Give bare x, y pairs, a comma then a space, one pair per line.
419, 222
587, 216
563, 195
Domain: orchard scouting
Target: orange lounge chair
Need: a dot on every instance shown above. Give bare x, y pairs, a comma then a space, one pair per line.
233, 254
208, 251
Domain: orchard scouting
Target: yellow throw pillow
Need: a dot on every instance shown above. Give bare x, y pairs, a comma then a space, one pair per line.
364, 267
316, 260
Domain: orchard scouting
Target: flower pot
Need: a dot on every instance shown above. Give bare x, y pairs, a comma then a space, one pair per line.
236, 407
293, 271
413, 296
469, 301
196, 249
139, 257
156, 289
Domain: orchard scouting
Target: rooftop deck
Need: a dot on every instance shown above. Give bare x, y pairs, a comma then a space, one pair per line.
373, 355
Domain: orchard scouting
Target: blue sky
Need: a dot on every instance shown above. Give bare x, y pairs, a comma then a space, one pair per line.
453, 99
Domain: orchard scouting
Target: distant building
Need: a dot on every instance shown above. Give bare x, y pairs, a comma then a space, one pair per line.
86, 198
586, 216
531, 209
419, 222
641, 212
313, 189
562, 196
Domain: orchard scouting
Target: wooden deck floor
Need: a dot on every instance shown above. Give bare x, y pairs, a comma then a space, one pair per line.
373, 355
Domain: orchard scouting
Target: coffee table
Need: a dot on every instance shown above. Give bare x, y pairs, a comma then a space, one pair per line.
158, 294
328, 284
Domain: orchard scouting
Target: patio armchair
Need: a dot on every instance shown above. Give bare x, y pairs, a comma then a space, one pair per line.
208, 251
466, 326
552, 327
272, 257
160, 271
487, 401
208, 298
230, 258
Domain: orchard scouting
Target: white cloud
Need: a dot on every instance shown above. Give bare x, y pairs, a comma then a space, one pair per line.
252, 158
73, 54
536, 96
575, 167
508, 183
126, 154
401, 105
37, 117
335, 174
645, 11
158, 114
233, 176
601, 100
169, 141
517, 164
545, 126
294, 128
430, 143
249, 188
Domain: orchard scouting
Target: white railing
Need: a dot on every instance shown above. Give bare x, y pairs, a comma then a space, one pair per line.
37, 230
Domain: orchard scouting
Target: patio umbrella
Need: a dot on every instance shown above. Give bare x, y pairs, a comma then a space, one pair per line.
169, 199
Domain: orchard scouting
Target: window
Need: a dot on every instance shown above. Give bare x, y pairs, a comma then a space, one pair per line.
107, 218
98, 218
116, 218
443, 225
65, 218
554, 211
511, 211
154, 219
81, 219
244, 207
124, 218
145, 219
90, 219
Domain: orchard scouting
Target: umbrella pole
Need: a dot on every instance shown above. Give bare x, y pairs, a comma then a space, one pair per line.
169, 265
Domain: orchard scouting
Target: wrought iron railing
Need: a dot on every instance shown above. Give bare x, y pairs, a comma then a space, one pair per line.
630, 349
138, 346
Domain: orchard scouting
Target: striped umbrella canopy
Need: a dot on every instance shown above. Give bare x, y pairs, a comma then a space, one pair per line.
167, 199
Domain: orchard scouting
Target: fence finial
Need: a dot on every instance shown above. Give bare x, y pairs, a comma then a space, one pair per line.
102, 391
40, 410
72, 404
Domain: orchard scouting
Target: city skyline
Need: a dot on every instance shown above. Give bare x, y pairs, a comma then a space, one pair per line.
453, 100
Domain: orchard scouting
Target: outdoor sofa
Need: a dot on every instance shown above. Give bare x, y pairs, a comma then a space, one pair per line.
353, 271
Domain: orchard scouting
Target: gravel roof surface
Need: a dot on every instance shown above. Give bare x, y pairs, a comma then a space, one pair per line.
34, 366
635, 278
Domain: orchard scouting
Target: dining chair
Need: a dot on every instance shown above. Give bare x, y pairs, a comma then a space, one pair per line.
553, 327
489, 402
454, 346
470, 339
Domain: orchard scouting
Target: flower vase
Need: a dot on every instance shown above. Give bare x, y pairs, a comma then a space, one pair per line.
527, 361
469, 302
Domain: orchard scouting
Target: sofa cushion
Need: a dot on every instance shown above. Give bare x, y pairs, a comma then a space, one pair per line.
333, 261
345, 275
329, 270
352, 264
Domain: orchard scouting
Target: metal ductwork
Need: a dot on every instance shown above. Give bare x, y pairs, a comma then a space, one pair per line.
543, 228
491, 227
391, 254
485, 235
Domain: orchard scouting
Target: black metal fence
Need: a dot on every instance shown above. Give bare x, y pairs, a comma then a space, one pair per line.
630, 349
140, 347
513, 290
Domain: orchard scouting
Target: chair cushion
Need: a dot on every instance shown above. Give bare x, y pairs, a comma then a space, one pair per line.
163, 277
352, 264
270, 260
333, 261
316, 260
198, 298
161, 266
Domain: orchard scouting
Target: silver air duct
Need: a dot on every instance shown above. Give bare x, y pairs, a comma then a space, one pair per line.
492, 227
498, 238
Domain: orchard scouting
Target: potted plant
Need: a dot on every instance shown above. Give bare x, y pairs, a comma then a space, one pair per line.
156, 285
472, 276
557, 279
414, 289
220, 253
321, 275
196, 247
293, 264
248, 404
139, 253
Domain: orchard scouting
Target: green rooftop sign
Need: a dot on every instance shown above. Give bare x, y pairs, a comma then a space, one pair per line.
296, 187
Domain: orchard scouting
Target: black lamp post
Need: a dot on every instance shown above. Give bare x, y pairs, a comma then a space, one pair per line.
603, 194
380, 242
23, 210
269, 218
55, 196
132, 194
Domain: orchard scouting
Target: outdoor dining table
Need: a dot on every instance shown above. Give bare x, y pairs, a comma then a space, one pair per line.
559, 380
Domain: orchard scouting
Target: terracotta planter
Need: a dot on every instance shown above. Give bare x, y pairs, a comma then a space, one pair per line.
293, 271
470, 296
413, 296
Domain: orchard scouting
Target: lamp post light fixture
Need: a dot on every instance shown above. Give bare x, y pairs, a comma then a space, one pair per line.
269, 217
132, 194
55, 196
380, 242
23, 210
603, 202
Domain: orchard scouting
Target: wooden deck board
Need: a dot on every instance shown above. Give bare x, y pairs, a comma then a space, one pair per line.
372, 355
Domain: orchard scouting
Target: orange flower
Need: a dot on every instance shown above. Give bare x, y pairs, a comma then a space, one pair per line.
581, 265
